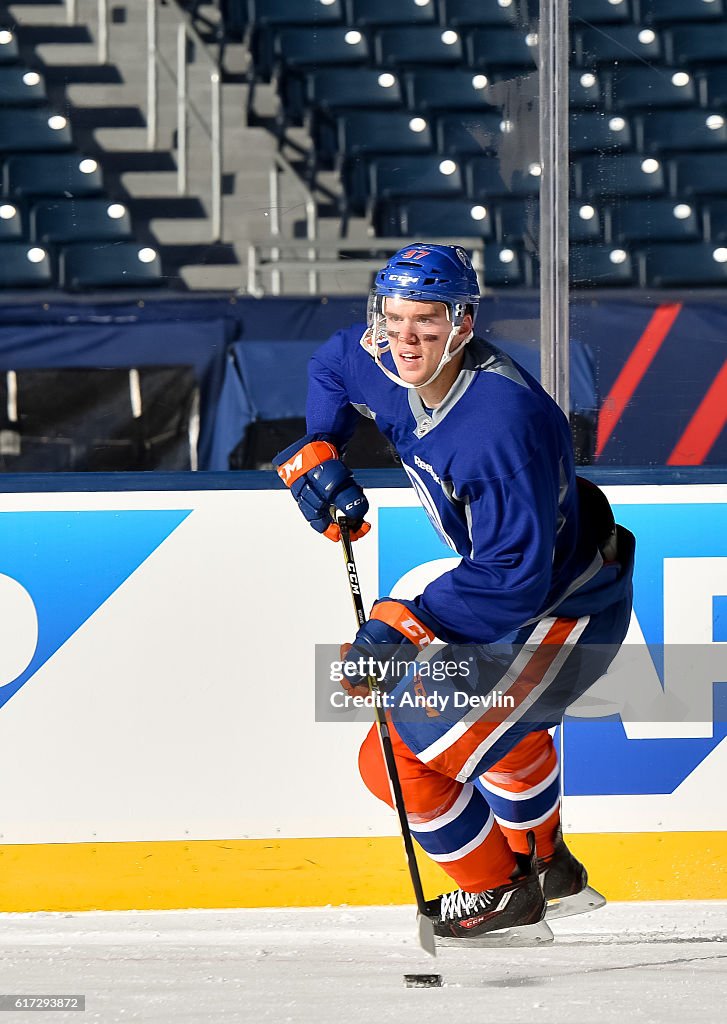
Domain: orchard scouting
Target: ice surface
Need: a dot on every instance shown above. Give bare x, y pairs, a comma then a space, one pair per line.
629, 963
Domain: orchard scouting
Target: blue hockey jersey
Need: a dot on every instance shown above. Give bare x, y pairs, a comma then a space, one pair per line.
493, 468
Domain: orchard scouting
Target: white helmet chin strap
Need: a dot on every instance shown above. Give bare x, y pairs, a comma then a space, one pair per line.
376, 349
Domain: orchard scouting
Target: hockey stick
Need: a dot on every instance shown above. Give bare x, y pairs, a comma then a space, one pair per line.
426, 928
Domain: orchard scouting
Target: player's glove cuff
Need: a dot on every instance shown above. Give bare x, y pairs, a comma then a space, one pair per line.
398, 628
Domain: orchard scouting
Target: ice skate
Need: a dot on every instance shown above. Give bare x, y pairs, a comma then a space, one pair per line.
509, 915
565, 884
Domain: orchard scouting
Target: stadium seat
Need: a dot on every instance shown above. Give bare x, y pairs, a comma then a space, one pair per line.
518, 222
109, 265
53, 174
432, 218
661, 11
20, 87
712, 85
646, 87
486, 177
655, 220
386, 12
469, 134
391, 176
315, 47
500, 47
715, 220
11, 222
697, 44
594, 131
584, 90
296, 12
24, 266
627, 44
628, 174
662, 130
79, 220
607, 12
338, 88
366, 131
699, 174
600, 266
450, 89
8, 47
485, 12
418, 44
37, 129
696, 264
506, 267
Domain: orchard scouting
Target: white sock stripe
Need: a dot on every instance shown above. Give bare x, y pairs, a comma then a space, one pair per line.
446, 858
459, 805
528, 824
525, 794
555, 666
515, 669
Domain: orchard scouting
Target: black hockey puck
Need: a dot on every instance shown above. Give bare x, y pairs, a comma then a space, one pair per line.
423, 980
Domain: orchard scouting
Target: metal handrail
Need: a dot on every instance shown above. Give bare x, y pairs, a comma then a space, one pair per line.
311, 217
102, 18
212, 126
297, 255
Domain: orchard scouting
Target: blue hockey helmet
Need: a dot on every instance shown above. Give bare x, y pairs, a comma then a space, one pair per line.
423, 273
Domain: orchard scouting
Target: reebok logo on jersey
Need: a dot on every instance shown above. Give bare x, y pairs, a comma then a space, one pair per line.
427, 467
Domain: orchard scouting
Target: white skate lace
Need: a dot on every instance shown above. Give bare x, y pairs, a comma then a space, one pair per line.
462, 904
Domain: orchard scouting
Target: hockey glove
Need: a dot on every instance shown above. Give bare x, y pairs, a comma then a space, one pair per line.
393, 635
318, 479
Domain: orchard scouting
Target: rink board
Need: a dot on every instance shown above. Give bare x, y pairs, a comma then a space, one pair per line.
158, 744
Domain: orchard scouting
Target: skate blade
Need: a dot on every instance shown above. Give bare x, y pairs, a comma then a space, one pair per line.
526, 935
582, 902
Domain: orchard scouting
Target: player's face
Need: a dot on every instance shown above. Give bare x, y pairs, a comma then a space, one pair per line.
417, 333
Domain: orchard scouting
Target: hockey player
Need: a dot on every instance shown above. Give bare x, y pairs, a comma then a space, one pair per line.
543, 587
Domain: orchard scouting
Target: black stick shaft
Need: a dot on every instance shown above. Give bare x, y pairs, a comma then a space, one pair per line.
383, 725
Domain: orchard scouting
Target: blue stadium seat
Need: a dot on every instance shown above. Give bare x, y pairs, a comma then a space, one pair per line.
627, 44
109, 265
37, 129
686, 265
11, 222
339, 88
715, 220
600, 266
24, 266
712, 84
500, 47
79, 220
697, 44
662, 11
629, 174
432, 218
584, 89
296, 12
654, 220
593, 131
366, 131
391, 176
648, 87
20, 87
386, 12
518, 222
699, 174
662, 130
484, 12
418, 44
52, 174
607, 12
8, 47
450, 89
506, 267
315, 47
469, 134
486, 177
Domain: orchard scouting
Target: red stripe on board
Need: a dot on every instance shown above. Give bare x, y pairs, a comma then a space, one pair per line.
704, 427
634, 369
